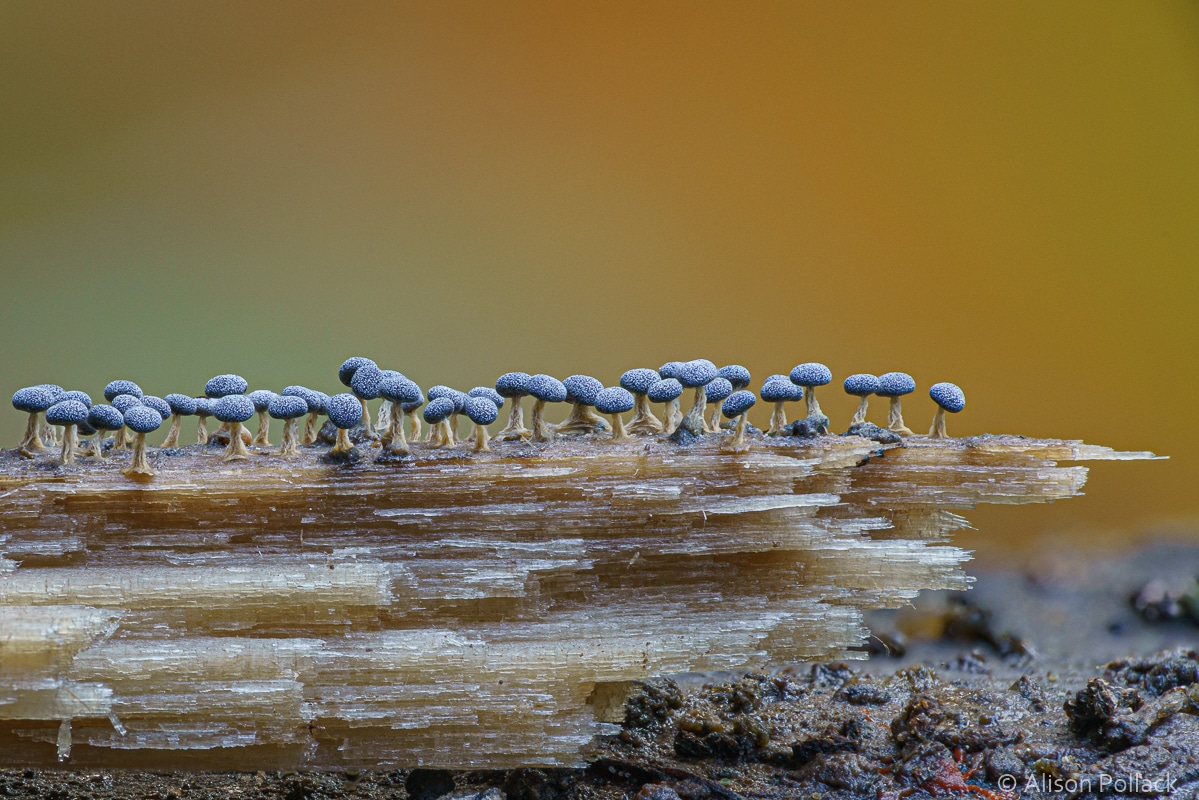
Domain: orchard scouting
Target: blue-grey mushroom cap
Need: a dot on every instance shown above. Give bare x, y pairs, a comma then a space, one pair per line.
948, 396
735, 374
440, 391
181, 404
32, 399
513, 384
316, 405
85, 428
639, 380
614, 400
158, 404
54, 389
345, 411
390, 373
438, 410
670, 369
779, 390
204, 406
121, 387
322, 401
895, 384
223, 385
717, 389
345, 373
233, 408
105, 418
399, 390
66, 412
582, 389
665, 390
811, 374
408, 408
489, 393
862, 384
75, 394
697, 373
261, 398
124, 402
546, 388
287, 407
366, 380
481, 410
142, 419
738, 403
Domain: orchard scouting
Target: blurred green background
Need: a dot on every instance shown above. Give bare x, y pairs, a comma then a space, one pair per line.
1001, 195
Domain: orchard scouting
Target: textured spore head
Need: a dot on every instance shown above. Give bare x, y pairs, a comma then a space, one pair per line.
233, 408
717, 389
665, 390
121, 387
409, 407
32, 399
811, 374
345, 373
261, 398
399, 390
124, 402
287, 407
142, 419
75, 394
546, 388
861, 384
181, 404
488, 393
639, 380
670, 369
223, 385
54, 389
513, 384
738, 403
697, 373
582, 389
158, 404
366, 380
344, 410
779, 389
105, 418
66, 412
204, 406
947, 395
735, 374
438, 410
895, 384
314, 399
614, 400
481, 410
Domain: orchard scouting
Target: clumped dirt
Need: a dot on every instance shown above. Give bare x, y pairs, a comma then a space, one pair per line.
1016, 689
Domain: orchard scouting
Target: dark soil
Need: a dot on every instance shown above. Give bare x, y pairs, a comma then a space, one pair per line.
1046, 682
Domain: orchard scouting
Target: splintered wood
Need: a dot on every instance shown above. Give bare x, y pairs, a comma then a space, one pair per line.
454, 609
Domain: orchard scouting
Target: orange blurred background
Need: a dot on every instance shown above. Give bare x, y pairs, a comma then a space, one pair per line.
1001, 195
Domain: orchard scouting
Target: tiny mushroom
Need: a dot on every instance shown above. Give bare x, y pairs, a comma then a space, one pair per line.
220, 386
716, 391
514, 386
158, 404
181, 406
383, 418
345, 374
410, 411
203, 412
488, 393
581, 391
345, 412
365, 386
948, 397
638, 381
895, 385
261, 398
122, 403
50, 432
447, 430
141, 420
233, 410
778, 389
317, 404
103, 418
735, 374
809, 376
68, 414
673, 414
436, 413
33, 400
482, 411
288, 408
696, 375
861, 385
398, 391
545, 389
115, 388
737, 406
667, 391
614, 401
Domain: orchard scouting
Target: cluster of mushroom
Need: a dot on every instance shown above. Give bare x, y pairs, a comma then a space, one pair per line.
128, 411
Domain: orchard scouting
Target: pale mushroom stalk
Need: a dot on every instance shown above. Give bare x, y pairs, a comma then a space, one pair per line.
236, 449
287, 447
859, 416
140, 465
542, 430
173, 432
643, 421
